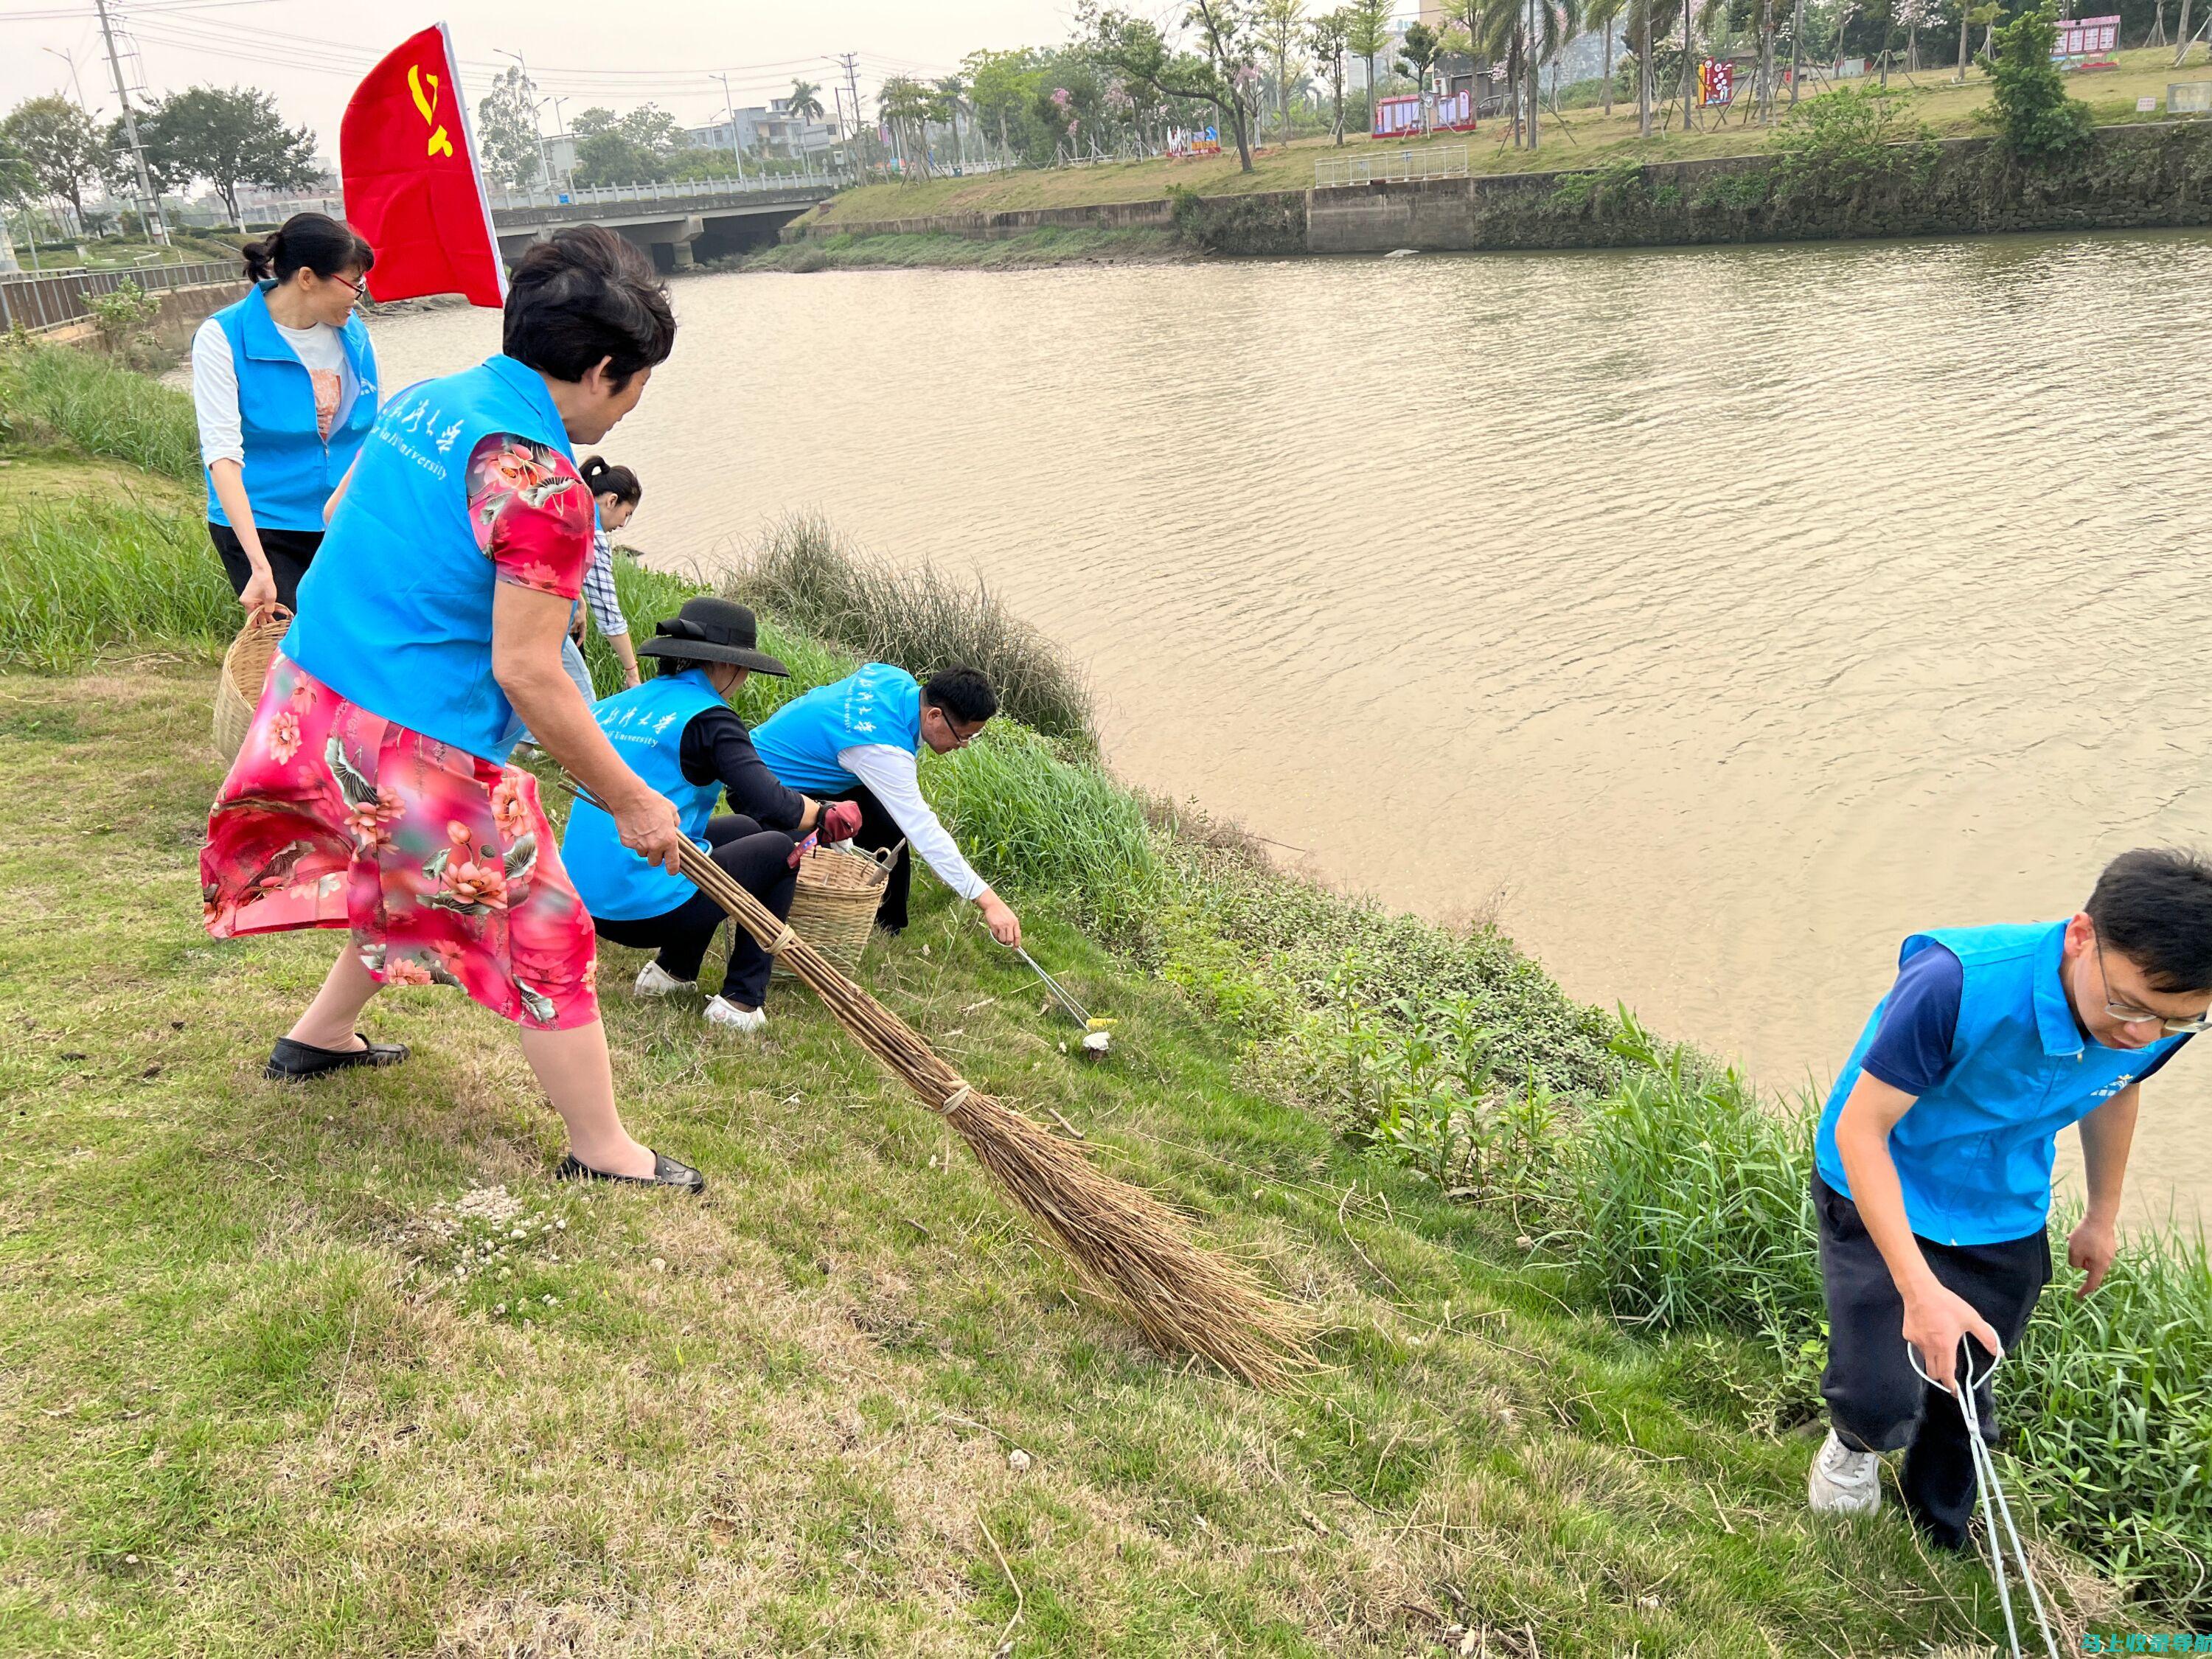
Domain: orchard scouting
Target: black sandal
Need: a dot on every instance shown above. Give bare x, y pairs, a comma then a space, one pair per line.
291, 1062
666, 1172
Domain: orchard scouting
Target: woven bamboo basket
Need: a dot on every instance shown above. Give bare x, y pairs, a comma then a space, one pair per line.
835, 905
245, 672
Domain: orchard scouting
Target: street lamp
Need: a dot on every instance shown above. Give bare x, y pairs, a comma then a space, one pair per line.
561, 131
530, 90
737, 152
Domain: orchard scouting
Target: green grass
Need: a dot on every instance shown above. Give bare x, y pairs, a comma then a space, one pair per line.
1047, 246
253, 1407
922, 619
1566, 1271
82, 399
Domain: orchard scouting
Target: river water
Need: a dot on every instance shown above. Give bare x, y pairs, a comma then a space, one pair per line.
1712, 617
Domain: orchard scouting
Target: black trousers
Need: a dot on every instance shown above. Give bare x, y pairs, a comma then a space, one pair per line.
290, 552
878, 830
1875, 1400
760, 861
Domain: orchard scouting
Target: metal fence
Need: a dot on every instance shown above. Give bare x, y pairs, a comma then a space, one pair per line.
39, 299
691, 190
1371, 167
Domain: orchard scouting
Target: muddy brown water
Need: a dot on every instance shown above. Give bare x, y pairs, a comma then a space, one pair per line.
1712, 617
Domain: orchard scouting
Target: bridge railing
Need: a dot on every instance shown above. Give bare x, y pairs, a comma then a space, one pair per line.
689, 190
41, 300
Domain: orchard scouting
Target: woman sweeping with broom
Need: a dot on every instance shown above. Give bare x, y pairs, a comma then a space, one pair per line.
373, 792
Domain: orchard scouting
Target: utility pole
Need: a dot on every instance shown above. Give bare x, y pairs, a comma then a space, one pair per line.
560, 131
1797, 30
70, 59
729, 108
850, 62
150, 204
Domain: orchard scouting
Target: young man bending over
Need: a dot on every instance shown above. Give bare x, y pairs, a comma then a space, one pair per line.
1933, 1187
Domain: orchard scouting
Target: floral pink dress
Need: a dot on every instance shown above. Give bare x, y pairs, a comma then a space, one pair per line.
441, 862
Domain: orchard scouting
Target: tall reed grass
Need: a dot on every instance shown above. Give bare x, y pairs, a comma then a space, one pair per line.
54, 393
921, 619
77, 576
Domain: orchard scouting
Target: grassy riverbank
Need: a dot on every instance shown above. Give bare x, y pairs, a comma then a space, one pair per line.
1583, 139
1031, 248
284, 1377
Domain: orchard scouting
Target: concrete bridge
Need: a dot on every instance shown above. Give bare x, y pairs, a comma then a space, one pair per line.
679, 224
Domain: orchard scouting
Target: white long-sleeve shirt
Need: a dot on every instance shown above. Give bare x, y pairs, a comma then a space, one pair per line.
894, 779
215, 384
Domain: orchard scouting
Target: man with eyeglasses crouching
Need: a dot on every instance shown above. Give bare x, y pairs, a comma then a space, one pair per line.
1933, 1187
858, 741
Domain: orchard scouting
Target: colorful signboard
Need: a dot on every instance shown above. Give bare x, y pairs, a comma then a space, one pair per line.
1448, 111
1716, 83
2086, 37
1396, 117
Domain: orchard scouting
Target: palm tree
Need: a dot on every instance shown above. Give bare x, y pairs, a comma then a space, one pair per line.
950, 99
907, 105
805, 100
1604, 16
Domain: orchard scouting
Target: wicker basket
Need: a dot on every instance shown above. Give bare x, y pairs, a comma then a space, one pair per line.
245, 672
835, 906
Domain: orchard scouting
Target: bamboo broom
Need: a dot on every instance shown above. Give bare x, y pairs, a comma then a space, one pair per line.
1125, 1243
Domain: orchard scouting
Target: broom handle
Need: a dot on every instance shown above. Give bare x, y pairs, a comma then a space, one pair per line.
846, 1000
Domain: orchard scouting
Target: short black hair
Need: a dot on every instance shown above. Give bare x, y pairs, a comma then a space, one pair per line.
963, 693
2153, 906
583, 294
307, 242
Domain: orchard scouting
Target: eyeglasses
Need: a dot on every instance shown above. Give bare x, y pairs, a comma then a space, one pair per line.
359, 289
2129, 1015
960, 740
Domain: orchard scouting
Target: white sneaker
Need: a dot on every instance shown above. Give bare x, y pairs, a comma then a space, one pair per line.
1844, 1482
655, 981
730, 1016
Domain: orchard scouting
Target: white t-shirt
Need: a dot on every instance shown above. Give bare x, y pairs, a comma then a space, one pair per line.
215, 384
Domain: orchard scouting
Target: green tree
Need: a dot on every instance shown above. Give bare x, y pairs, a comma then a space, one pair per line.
636, 148
1281, 26
507, 131
1367, 33
2029, 104
231, 136
1326, 39
949, 103
57, 146
906, 105
1134, 49
1000, 87
1604, 17
1418, 54
805, 100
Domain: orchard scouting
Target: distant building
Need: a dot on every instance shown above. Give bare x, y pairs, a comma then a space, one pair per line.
774, 130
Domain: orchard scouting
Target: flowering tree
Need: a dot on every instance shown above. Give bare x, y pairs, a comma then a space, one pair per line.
1913, 14
1219, 74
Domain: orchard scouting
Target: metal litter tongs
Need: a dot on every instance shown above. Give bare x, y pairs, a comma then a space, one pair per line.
1096, 1031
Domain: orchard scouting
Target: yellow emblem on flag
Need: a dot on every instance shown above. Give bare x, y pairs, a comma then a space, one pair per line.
439, 144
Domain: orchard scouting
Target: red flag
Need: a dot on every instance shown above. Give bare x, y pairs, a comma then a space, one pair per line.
411, 184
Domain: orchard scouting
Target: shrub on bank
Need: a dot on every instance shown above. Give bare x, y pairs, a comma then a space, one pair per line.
100, 406
920, 619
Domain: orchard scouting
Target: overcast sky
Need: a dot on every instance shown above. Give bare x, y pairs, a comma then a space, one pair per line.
311, 53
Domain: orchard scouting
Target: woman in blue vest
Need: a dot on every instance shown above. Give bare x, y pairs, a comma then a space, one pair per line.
1932, 1193
858, 740
372, 793
284, 385
678, 732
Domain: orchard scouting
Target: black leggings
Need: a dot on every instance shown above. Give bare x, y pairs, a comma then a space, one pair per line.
289, 553
759, 861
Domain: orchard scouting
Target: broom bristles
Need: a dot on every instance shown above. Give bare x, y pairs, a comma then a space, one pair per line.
1125, 1244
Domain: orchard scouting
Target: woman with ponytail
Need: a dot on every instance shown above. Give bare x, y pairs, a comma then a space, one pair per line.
284, 385
616, 492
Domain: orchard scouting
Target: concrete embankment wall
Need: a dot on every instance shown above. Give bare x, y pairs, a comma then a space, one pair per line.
181, 310
2133, 177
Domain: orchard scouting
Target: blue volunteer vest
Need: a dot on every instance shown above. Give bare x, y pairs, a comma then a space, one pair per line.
646, 725
1974, 1154
289, 469
395, 612
800, 743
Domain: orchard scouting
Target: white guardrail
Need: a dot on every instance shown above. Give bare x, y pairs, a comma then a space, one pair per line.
41, 300
690, 190
1390, 166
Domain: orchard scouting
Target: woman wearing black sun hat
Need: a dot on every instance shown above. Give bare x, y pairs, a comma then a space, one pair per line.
678, 732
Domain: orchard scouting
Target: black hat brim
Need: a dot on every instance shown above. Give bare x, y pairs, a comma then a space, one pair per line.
708, 651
